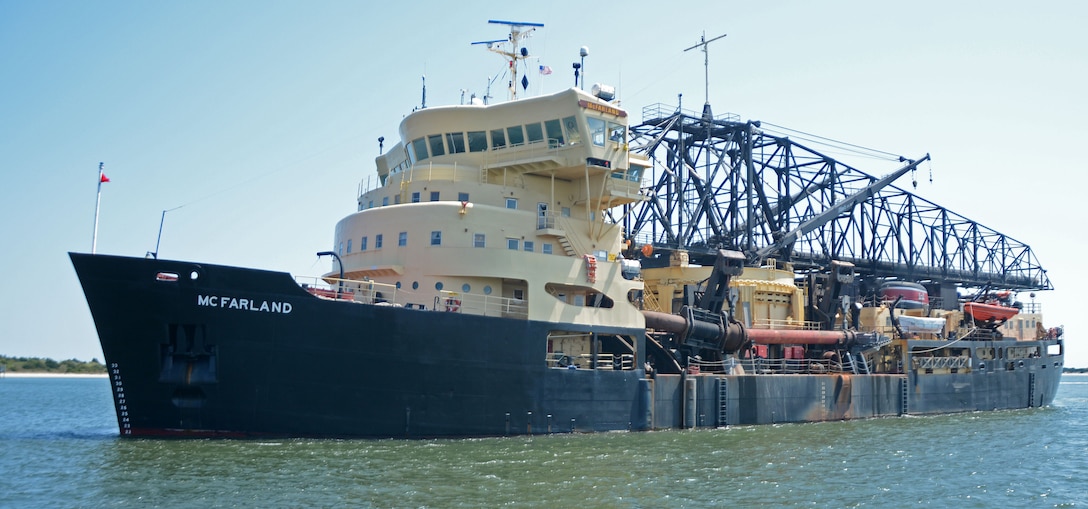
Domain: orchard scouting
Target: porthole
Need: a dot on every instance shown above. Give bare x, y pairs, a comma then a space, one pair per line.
466, 288
487, 290
193, 275
438, 286
415, 285
398, 284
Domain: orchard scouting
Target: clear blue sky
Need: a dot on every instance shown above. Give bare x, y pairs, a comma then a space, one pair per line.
259, 119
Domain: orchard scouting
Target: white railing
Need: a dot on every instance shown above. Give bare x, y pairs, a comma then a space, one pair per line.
373, 292
485, 305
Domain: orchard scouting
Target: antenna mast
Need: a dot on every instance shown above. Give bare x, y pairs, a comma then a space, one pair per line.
518, 30
706, 67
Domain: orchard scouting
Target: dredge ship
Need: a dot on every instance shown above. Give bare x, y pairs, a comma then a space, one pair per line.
542, 265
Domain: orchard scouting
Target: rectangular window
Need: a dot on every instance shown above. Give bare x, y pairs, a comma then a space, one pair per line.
570, 127
370, 204
349, 246
419, 148
415, 197
596, 131
528, 245
396, 200
546, 248
436, 238
512, 203
515, 135
477, 141
534, 132
456, 142
402, 239
498, 139
462, 196
362, 244
378, 241
478, 240
435, 142
385, 200
512, 244
565, 211
555, 133
340, 249
434, 195
617, 132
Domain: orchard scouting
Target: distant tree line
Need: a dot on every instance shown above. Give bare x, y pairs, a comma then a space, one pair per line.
46, 365
1074, 370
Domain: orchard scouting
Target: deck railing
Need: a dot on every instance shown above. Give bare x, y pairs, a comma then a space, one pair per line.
373, 292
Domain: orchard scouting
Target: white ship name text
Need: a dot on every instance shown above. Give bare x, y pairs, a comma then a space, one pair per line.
227, 302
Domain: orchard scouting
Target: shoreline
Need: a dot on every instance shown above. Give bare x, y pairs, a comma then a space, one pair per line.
19, 374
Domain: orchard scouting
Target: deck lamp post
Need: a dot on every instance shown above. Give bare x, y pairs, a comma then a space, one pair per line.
340, 283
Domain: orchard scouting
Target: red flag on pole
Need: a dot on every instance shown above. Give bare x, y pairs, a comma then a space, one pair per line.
103, 178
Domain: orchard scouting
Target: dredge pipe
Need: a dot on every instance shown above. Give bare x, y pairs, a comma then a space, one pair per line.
735, 336
664, 321
725, 337
801, 337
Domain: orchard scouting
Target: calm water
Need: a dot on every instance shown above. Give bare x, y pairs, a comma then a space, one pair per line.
59, 448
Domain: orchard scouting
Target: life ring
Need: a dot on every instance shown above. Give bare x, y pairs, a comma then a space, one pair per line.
453, 305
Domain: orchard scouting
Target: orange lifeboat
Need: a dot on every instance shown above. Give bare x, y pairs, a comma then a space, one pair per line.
989, 312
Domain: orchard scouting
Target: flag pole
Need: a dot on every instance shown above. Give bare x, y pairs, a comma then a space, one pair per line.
97, 204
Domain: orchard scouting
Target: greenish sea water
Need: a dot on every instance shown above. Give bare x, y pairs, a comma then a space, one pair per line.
59, 447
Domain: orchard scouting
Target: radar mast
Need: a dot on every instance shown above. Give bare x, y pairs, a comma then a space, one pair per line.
518, 30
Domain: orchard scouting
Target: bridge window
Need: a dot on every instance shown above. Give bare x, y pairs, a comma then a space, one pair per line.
534, 132
498, 139
378, 241
477, 141
456, 142
570, 127
435, 142
617, 132
402, 239
349, 246
419, 149
555, 133
515, 135
596, 130
362, 244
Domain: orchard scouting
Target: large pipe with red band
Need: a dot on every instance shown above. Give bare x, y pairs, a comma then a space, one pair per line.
732, 336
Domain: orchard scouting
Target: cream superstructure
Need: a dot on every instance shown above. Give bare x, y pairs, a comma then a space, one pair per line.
503, 206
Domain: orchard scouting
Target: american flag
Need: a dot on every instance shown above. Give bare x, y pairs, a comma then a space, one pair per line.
545, 70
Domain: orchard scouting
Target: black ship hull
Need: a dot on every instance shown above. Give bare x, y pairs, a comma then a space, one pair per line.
206, 350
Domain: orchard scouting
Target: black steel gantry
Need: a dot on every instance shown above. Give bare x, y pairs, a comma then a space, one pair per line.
719, 183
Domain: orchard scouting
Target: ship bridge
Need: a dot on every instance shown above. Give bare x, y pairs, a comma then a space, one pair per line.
720, 183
